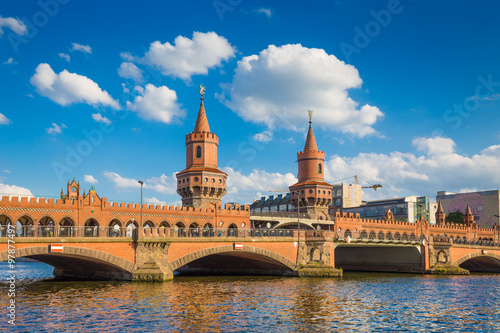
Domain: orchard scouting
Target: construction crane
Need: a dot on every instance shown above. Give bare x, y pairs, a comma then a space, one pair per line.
279, 190
374, 187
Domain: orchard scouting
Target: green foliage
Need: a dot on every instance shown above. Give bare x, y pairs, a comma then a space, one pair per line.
455, 217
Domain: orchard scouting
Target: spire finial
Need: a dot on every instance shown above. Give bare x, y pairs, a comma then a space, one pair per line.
310, 116
202, 91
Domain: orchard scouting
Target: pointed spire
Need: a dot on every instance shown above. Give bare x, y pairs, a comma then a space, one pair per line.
468, 211
202, 121
311, 140
440, 208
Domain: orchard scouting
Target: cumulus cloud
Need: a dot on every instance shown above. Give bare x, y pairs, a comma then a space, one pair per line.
187, 57
156, 103
90, 179
128, 70
13, 190
55, 129
4, 120
438, 168
81, 48
163, 184
100, 119
245, 188
68, 88
278, 86
13, 24
65, 56
265, 136
265, 11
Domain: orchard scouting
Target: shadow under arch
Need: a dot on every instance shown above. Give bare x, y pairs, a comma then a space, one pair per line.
225, 260
479, 262
78, 263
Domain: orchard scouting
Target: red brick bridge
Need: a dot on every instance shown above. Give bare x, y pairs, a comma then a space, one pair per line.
99, 244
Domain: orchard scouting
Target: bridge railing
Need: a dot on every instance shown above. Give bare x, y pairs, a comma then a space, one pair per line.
476, 242
134, 232
291, 215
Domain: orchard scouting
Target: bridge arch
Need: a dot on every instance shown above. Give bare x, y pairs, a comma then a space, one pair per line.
247, 251
78, 261
479, 262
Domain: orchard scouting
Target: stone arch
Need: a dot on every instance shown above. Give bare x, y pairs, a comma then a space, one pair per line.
46, 226
69, 252
389, 236
66, 226
363, 234
5, 219
381, 235
174, 265
315, 254
232, 230
149, 224
115, 228
372, 235
164, 224
397, 236
180, 229
473, 255
91, 228
347, 233
23, 223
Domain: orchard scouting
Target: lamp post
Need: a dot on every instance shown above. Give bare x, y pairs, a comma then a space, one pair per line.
298, 216
498, 228
142, 183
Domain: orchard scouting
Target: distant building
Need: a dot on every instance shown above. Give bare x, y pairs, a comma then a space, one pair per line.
278, 203
484, 205
345, 196
408, 209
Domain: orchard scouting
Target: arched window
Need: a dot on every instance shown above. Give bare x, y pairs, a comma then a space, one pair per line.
198, 152
319, 168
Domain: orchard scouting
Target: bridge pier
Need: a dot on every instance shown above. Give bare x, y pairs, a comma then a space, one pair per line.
440, 259
151, 262
314, 258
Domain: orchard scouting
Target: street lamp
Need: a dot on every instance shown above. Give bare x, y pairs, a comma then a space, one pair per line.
142, 183
498, 228
298, 216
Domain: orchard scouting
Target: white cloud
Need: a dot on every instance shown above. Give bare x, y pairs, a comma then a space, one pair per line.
65, 56
245, 188
100, 119
154, 201
187, 57
68, 88
9, 61
55, 129
81, 48
90, 179
437, 169
6, 171
156, 103
13, 190
162, 184
128, 70
265, 11
279, 85
265, 136
4, 120
13, 24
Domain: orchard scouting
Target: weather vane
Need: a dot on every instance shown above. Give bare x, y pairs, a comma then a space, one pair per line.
310, 115
202, 91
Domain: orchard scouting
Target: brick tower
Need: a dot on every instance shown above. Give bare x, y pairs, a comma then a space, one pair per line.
314, 193
440, 215
201, 183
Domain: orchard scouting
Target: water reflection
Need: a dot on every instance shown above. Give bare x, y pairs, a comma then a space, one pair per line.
357, 302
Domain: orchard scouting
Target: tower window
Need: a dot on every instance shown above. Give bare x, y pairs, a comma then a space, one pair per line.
198, 152
319, 168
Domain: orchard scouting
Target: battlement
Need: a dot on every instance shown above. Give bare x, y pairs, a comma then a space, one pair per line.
202, 136
311, 154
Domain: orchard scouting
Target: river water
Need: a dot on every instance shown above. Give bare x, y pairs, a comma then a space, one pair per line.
357, 302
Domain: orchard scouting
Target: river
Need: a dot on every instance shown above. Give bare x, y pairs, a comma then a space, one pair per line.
357, 302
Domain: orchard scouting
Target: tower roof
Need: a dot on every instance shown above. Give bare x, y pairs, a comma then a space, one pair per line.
201, 121
440, 208
311, 140
468, 211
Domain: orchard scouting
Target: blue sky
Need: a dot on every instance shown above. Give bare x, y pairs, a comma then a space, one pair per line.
404, 93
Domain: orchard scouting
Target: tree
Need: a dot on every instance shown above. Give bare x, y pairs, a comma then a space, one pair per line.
455, 217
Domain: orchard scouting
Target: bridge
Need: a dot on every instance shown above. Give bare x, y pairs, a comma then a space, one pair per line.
155, 252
